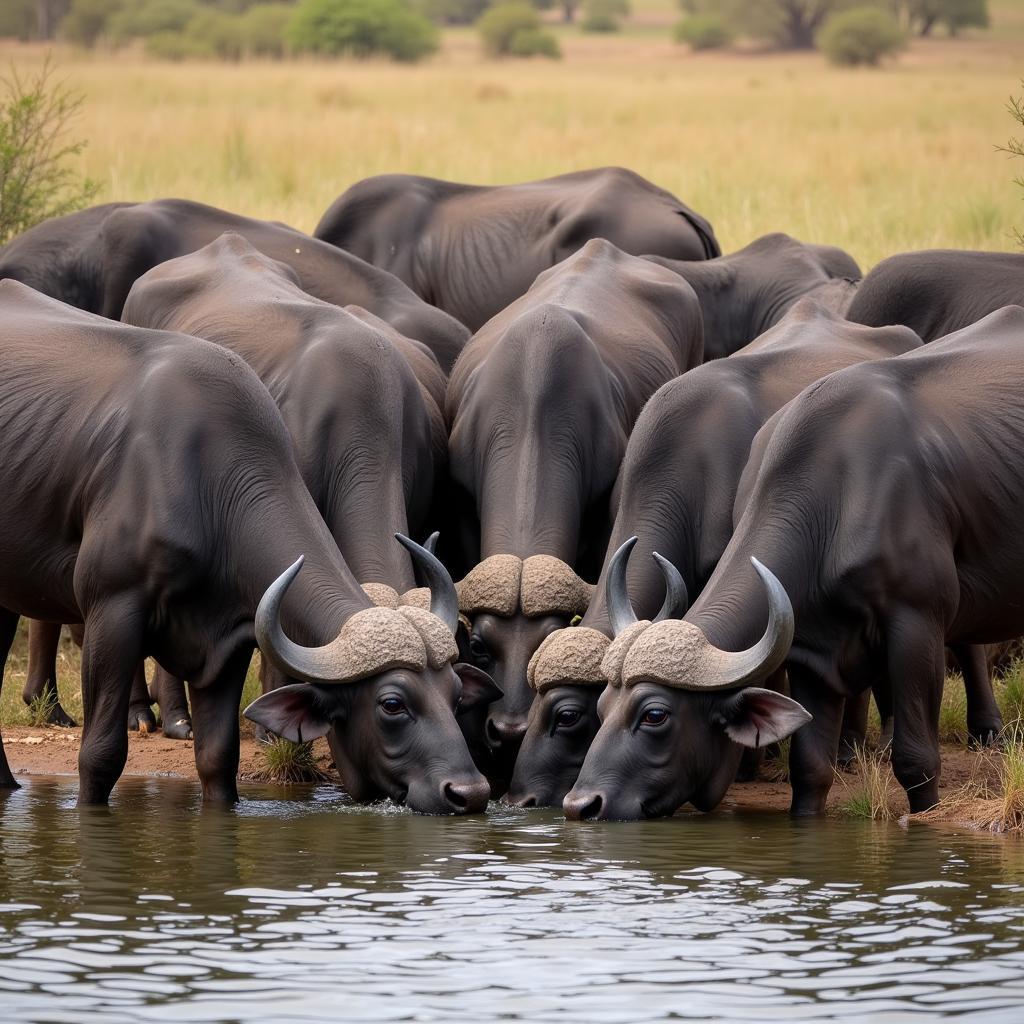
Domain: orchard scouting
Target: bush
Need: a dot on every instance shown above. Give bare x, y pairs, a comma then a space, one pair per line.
514, 29
534, 42
603, 15
863, 35
263, 28
150, 17
361, 28
35, 182
703, 32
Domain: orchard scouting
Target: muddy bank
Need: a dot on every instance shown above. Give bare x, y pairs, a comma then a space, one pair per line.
50, 751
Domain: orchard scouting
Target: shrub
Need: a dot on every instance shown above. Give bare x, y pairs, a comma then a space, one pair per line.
514, 29
863, 35
361, 28
603, 15
35, 182
703, 32
263, 28
150, 17
535, 42
217, 30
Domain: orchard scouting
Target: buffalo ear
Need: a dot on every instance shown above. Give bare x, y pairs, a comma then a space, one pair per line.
477, 687
299, 712
757, 717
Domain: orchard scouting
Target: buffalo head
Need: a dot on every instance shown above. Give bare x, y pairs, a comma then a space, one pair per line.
386, 693
566, 675
678, 711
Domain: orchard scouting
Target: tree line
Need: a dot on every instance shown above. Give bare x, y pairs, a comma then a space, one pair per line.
850, 31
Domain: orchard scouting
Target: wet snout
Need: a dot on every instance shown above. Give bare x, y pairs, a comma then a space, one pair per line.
466, 796
585, 805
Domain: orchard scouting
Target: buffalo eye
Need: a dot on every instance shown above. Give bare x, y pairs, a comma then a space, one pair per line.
567, 718
654, 716
478, 648
393, 706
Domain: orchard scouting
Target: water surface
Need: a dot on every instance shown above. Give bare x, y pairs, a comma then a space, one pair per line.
305, 908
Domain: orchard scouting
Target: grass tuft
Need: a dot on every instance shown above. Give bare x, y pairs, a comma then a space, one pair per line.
953, 711
872, 790
289, 763
40, 708
776, 763
1009, 690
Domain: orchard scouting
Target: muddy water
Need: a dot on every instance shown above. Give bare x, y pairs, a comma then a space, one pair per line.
303, 908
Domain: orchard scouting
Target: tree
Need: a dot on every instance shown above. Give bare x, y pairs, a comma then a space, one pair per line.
18, 19
790, 24
921, 16
361, 28
703, 32
88, 20
863, 35
35, 182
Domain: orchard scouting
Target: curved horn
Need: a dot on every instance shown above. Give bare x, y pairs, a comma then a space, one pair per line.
620, 610
740, 667
676, 598
430, 544
311, 663
444, 602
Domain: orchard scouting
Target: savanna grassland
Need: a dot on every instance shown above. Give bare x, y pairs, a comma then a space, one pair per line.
876, 161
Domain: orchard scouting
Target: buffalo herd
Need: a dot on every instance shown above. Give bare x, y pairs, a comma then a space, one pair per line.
694, 503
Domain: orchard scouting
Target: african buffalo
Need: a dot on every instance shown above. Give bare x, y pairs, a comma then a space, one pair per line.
471, 250
675, 496
938, 291
745, 293
368, 437
90, 259
151, 492
541, 404
885, 514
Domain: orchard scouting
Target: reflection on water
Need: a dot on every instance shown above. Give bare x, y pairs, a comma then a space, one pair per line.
305, 909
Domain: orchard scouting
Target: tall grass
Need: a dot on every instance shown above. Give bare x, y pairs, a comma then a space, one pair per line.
877, 162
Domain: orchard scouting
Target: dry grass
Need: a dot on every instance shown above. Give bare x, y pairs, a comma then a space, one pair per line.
872, 790
876, 161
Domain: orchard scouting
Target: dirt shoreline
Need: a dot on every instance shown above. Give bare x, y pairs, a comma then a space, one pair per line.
52, 751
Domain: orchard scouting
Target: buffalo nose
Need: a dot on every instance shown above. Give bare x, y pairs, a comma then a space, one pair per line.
520, 801
505, 732
582, 806
466, 797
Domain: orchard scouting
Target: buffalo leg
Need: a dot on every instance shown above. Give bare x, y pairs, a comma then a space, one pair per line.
855, 727
984, 722
140, 709
917, 668
169, 693
215, 725
814, 748
8, 628
111, 653
41, 681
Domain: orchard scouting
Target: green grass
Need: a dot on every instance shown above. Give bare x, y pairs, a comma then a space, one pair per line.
871, 789
288, 762
1009, 691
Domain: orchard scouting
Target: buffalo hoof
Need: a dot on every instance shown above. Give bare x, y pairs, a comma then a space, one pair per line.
141, 720
59, 717
177, 727
987, 736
